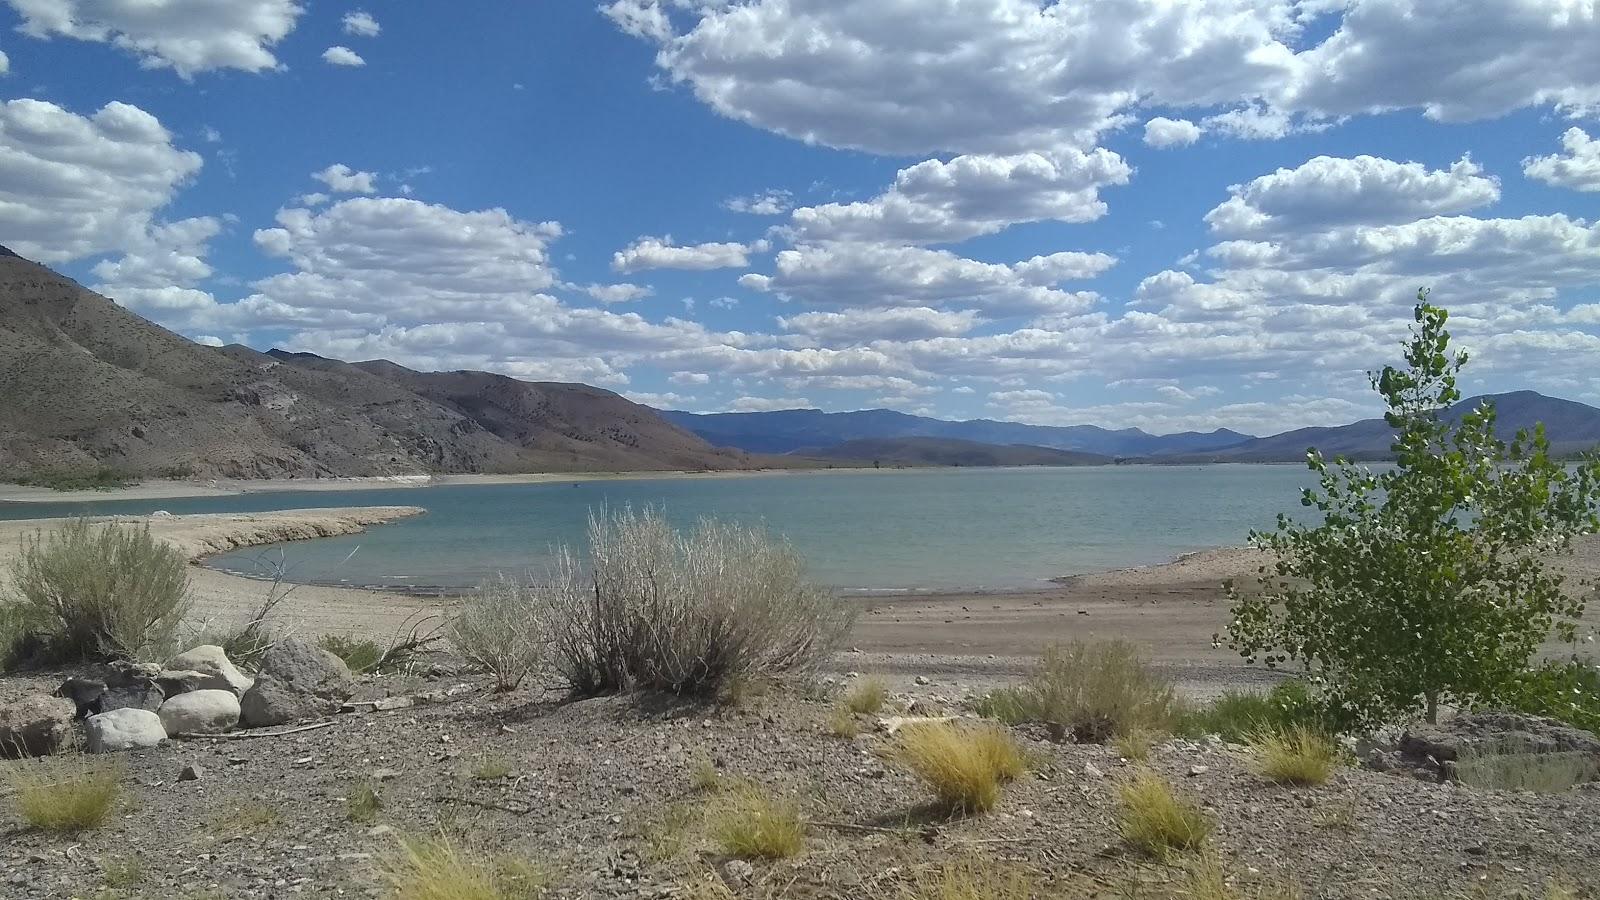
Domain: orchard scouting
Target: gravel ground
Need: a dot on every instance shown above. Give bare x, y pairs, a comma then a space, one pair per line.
592, 785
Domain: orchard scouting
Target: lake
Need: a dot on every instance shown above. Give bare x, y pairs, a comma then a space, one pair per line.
932, 529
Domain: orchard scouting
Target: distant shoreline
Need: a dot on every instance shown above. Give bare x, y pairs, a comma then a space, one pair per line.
164, 489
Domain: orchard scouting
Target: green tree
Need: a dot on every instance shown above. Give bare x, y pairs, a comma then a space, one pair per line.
1428, 582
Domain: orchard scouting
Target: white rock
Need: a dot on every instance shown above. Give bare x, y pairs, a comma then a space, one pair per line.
200, 712
1092, 771
221, 674
123, 729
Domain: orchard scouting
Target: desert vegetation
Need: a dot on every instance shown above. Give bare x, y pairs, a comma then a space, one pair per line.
1093, 690
963, 765
64, 793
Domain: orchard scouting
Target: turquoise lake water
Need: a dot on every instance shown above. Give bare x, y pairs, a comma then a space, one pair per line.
939, 529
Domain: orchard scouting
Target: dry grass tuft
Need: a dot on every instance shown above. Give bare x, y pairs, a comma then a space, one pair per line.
1134, 744
748, 822
705, 778
964, 765
867, 696
972, 878
364, 803
1207, 880
1295, 755
64, 794
842, 723
490, 767
437, 869
1157, 822
245, 818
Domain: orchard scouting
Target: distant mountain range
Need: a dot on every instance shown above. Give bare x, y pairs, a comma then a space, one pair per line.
1572, 427
85, 383
788, 431
929, 451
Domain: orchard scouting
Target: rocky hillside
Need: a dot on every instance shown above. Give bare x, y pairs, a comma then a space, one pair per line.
926, 451
86, 383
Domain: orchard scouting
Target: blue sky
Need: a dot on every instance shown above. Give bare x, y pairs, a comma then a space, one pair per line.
1124, 212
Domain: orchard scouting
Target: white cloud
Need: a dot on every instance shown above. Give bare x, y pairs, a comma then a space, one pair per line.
342, 179
943, 202
187, 36
617, 293
768, 404
361, 24
342, 56
767, 203
1365, 190
860, 326
640, 18
689, 378
5, 63
879, 276
662, 253
1578, 168
315, 198
1164, 132
73, 186
1258, 122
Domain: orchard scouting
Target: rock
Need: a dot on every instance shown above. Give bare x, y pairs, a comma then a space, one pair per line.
211, 661
739, 872
200, 712
385, 774
923, 680
174, 682
36, 726
1092, 771
298, 681
84, 693
123, 729
1196, 771
191, 772
132, 686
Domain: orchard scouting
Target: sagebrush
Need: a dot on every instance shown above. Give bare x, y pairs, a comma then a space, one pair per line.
687, 612
101, 591
505, 627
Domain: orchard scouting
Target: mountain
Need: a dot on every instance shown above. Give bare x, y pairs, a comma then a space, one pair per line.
85, 383
786, 431
926, 451
1571, 426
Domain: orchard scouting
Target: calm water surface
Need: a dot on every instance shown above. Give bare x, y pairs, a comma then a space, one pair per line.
904, 530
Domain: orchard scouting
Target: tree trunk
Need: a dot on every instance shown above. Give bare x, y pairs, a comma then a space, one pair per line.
1433, 708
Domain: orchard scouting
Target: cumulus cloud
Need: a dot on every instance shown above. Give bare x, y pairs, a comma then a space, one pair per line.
1164, 132
1578, 168
1364, 190
879, 276
767, 203
187, 36
617, 293
5, 63
662, 253
342, 56
768, 404
968, 196
73, 186
342, 179
361, 24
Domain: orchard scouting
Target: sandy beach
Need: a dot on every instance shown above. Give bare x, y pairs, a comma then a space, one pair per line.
1173, 610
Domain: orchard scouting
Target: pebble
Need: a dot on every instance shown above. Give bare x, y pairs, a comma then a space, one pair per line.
191, 772
1198, 770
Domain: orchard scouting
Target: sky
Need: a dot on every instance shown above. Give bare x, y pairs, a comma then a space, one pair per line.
1130, 213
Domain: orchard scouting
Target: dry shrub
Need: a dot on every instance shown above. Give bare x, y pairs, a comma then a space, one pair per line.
1156, 821
102, 591
503, 627
748, 822
364, 803
65, 793
1295, 755
842, 723
964, 765
686, 612
439, 869
1093, 690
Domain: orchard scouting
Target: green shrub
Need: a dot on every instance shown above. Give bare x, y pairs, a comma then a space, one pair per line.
359, 654
364, 803
686, 612
1093, 690
105, 591
1568, 691
1237, 716
98, 478
1429, 582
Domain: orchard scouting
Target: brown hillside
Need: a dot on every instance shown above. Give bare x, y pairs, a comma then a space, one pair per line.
84, 382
